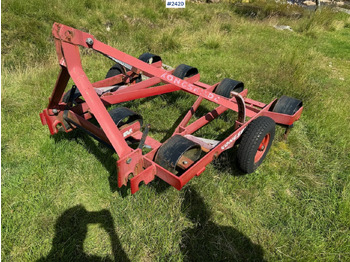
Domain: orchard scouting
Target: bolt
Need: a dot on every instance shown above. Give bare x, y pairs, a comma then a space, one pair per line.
128, 160
69, 35
55, 111
185, 162
89, 41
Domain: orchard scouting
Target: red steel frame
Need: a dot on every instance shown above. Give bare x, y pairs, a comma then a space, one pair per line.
132, 164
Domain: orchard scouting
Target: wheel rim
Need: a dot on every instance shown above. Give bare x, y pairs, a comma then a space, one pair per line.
262, 148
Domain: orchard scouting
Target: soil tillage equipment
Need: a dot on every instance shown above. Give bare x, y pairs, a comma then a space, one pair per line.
183, 155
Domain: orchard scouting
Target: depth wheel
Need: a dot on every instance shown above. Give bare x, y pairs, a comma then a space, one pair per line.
76, 95
287, 105
255, 144
118, 69
182, 71
150, 58
228, 85
122, 116
177, 153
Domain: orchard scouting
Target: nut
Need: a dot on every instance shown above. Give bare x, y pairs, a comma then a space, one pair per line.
89, 41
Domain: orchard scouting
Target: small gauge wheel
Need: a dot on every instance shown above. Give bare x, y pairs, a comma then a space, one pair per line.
177, 153
228, 85
184, 71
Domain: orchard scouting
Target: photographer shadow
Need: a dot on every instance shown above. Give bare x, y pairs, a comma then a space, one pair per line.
207, 241
71, 230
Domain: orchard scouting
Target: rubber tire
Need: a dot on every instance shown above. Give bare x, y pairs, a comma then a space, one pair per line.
66, 96
228, 85
287, 105
251, 140
171, 151
120, 114
182, 71
150, 58
117, 69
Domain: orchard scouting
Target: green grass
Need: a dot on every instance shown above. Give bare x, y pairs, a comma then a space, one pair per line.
59, 195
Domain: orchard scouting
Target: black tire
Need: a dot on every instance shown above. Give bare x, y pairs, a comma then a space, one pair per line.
76, 95
287, 105
123, 115
255, 143
228, 85
173, 149
150, 58
118, 69
182, 71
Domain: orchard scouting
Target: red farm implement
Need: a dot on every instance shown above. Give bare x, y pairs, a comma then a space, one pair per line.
182, 156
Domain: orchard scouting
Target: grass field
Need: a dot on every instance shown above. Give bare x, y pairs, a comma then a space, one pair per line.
60, 201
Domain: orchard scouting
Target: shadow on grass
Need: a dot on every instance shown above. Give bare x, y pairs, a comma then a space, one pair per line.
207, 241
227, 162
71, 230
101, 151
104, 154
